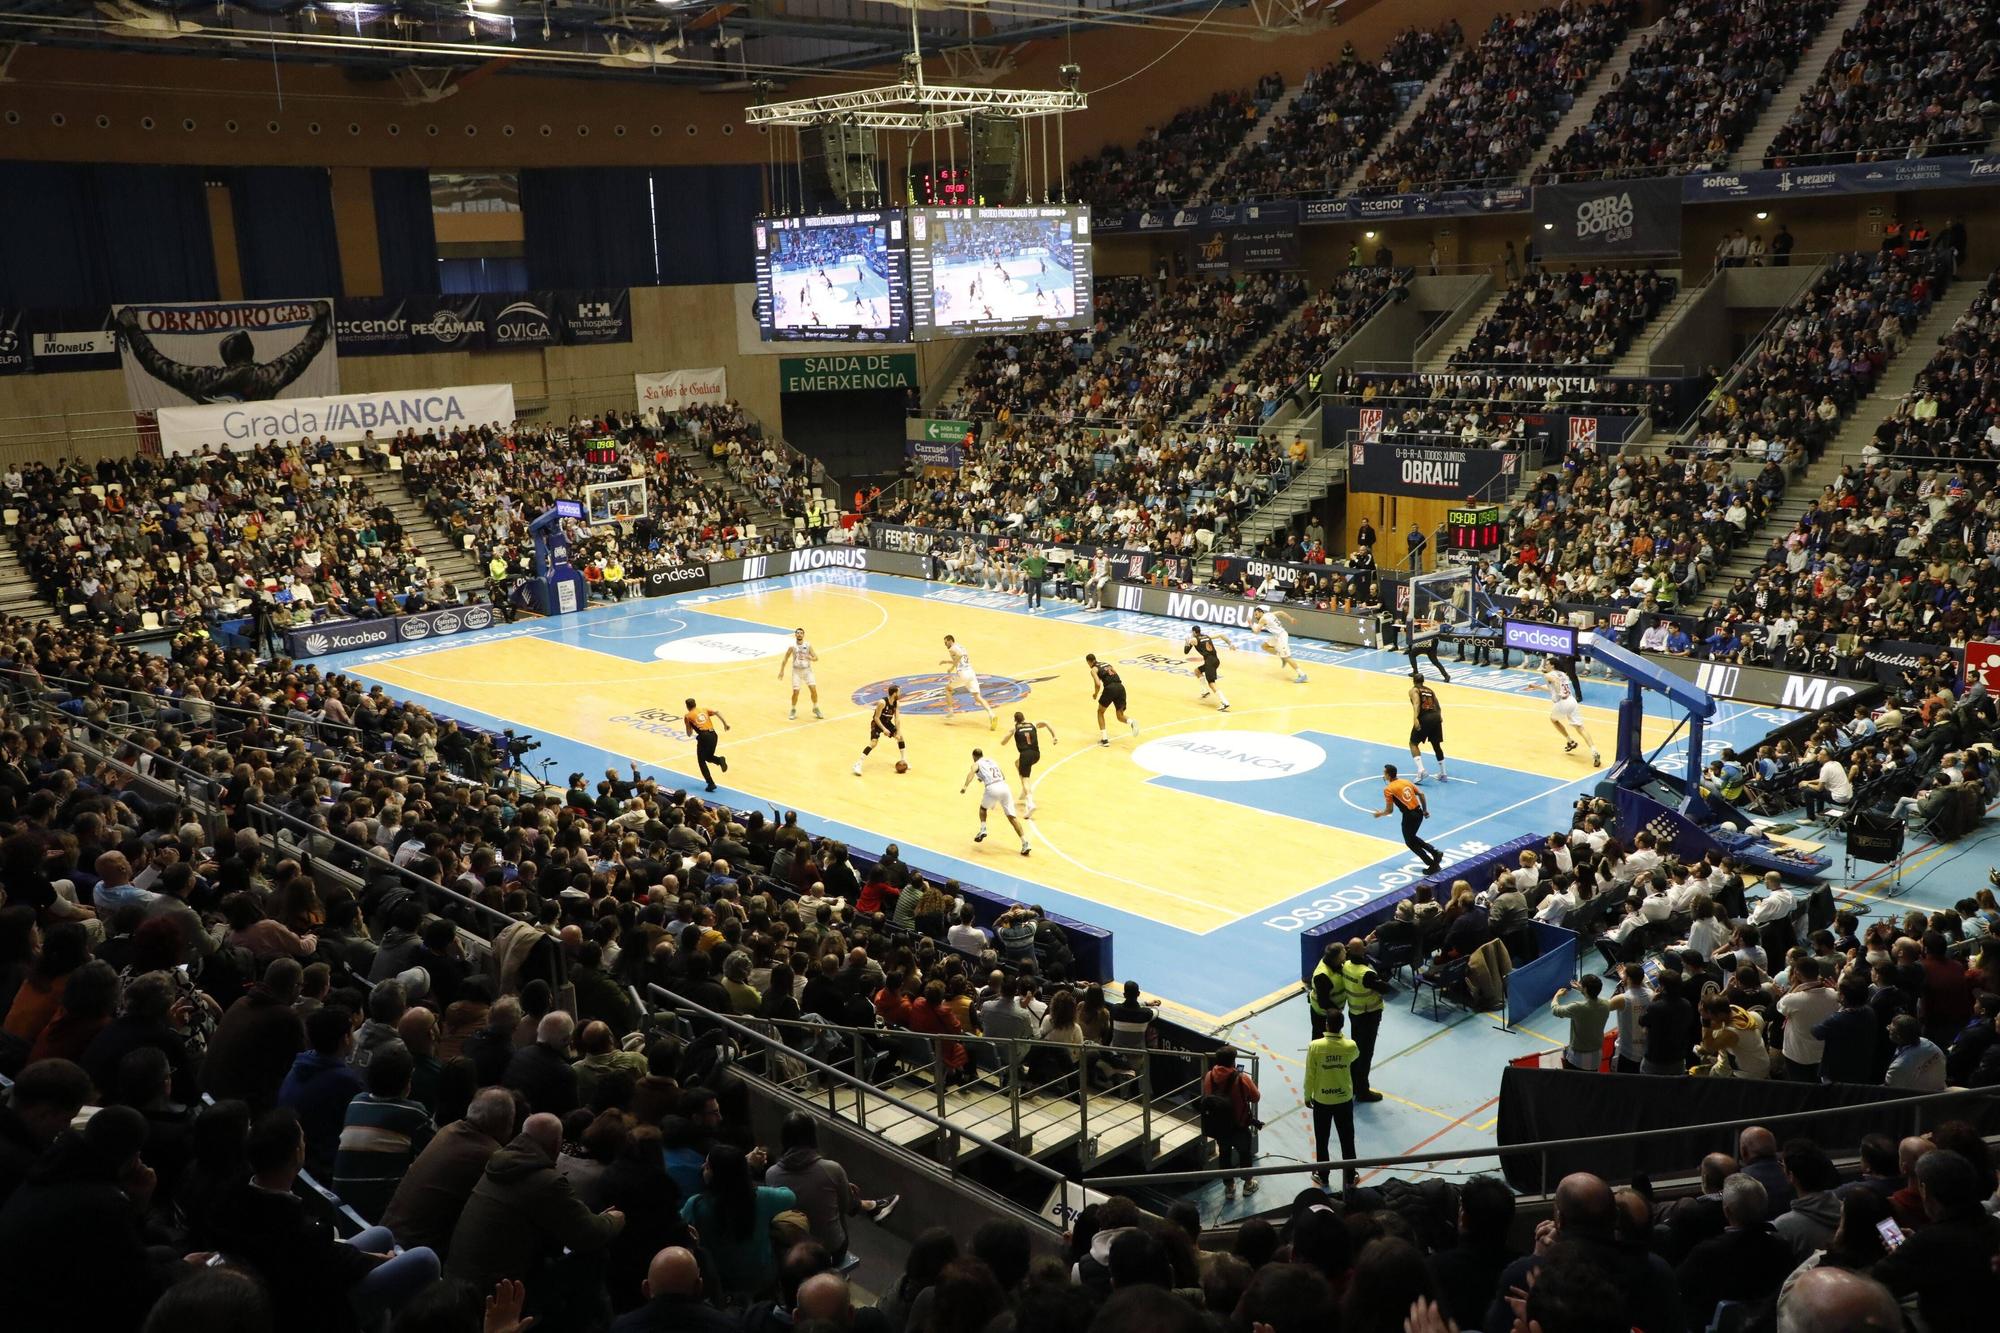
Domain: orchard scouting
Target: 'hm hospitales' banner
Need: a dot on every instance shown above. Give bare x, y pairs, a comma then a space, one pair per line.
226, 352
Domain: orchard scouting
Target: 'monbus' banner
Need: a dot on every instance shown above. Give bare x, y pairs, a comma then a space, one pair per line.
226, 352
677, 389
340, 417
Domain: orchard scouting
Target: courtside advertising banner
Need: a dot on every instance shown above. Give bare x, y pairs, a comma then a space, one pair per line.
340, 417
226, 352
679, 389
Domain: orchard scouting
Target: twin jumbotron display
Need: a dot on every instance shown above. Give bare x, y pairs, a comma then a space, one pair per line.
895, 275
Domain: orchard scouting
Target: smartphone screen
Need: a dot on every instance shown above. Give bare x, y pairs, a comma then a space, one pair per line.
1892, 1235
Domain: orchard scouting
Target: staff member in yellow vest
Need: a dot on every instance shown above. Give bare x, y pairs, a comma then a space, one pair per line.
614, 577
1324, 993
1330, 1092
1362, 987
816, 521
497, 570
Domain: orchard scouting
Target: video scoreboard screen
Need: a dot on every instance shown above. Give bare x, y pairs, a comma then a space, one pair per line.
839, 277
975, 271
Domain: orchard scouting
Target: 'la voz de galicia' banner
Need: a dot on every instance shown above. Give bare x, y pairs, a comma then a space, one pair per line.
339, 417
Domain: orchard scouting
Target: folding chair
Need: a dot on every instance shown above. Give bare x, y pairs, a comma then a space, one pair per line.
1439, 981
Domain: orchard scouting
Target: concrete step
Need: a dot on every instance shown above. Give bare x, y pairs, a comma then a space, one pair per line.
1812, 63
1585, 106
1462, 336
1639, 356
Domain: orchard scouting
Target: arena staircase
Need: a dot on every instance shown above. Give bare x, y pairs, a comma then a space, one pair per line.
1811, 65
1321, 471
1615, 69
1235, 369
444, 553
1638, 358
1896, 379
1259, 132
1402, 122
1461, 337
702, 464
19, 597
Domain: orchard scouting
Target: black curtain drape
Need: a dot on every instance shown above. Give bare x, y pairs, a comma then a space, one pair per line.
75, 233
705, 234
404, 231
588, 227
285, 238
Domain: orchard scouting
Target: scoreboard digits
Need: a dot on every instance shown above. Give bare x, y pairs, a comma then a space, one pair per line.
1473, 527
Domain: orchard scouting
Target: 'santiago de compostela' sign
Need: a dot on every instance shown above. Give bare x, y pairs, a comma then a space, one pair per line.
822, 374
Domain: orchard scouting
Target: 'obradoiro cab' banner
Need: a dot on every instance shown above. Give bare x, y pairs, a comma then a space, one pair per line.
226, 352
342, 417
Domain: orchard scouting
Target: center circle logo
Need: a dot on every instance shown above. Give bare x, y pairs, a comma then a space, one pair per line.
1229, 756
733, 646
923, 696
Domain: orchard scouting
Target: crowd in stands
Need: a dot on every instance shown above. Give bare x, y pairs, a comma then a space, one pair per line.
1175, 491
1341, 110
1823, 357
1171, 161
1263, 382
1500, 98
1697, 83
191, 538
1570, 317
524, 1141
1912, 78
1050, 374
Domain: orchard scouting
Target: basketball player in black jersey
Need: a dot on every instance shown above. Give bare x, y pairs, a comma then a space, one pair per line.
1211, 664
1027, 742
1109, 691
1426, 724
883, 723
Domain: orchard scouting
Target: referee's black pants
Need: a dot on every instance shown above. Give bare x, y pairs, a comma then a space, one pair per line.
1429, 650
704, 755
1412, 839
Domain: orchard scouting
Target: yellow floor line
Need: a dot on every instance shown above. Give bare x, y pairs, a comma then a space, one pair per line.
1419, 1106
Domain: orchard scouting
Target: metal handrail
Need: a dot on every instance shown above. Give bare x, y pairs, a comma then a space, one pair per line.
272, 813
1541, 1146
967, 1038
862, 1088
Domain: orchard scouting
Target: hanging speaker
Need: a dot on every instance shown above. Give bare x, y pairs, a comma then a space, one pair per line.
996, 155
838, 163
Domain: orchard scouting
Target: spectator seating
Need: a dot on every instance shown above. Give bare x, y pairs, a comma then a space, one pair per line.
1170, 162
1049, 374
1500, 98
1573, 317
1912, 78
1696, 85
1262, 381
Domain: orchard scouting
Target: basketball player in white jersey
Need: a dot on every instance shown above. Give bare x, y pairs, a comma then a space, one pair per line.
1564, 715
993, 779
1278, 639
958, 676
800, 656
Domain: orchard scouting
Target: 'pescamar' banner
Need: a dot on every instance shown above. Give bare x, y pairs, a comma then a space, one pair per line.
226, 352
342, 417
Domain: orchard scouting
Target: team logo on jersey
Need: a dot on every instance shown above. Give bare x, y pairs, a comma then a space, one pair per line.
924, 695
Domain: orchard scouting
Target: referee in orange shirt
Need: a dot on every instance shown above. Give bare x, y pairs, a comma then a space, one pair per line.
1405, 797
701, 725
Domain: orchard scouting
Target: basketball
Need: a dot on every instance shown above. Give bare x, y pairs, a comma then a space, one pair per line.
902, 766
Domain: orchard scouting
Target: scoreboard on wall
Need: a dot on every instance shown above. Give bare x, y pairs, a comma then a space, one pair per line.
1473, 527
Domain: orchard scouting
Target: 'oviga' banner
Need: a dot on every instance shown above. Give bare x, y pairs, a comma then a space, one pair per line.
1427, 471
340, 417
1600, 219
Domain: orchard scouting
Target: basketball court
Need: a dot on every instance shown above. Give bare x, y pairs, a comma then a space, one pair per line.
1205, 843
1036, 287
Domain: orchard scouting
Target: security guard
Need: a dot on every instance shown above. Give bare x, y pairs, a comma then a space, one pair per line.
1362, 988
1330, 1062
1324, 992
816, 521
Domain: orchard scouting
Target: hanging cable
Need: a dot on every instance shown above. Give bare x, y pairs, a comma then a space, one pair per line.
1163, 55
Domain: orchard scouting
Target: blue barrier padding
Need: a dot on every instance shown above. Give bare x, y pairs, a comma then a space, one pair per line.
1089, 945
1533, 984
1479, 871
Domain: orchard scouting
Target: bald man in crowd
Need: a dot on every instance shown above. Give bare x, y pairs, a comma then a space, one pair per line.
674, 1303
1834, 1300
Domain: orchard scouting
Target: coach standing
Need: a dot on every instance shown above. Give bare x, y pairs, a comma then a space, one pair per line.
1363, 988
1033, 570
1404, 797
